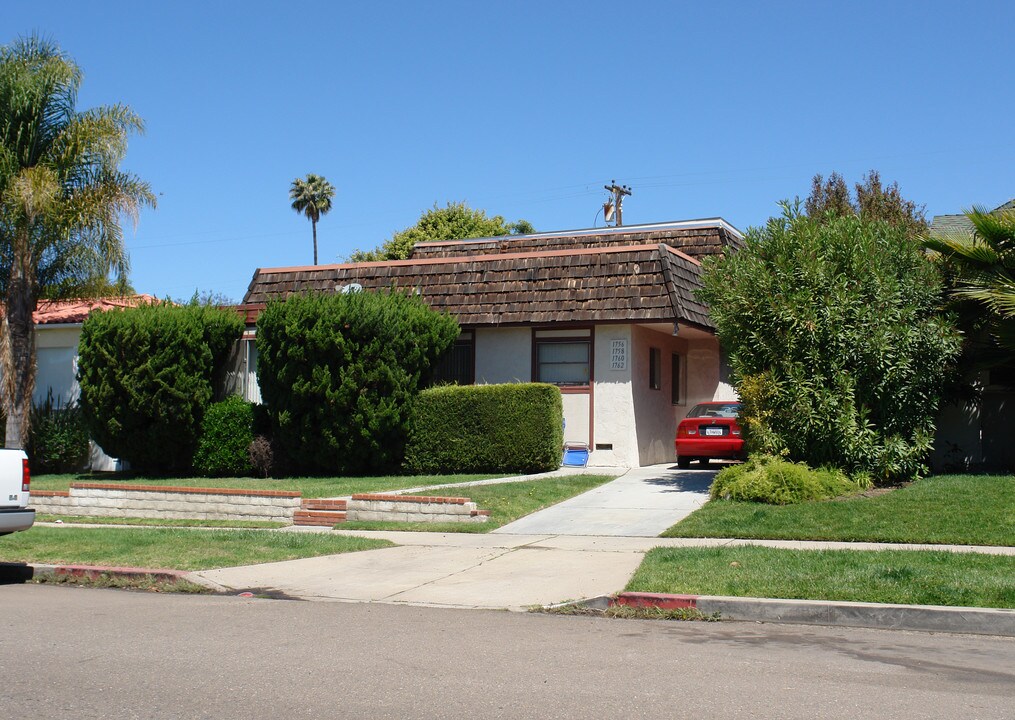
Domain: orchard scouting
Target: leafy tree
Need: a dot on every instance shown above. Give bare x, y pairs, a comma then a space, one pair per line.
146, 379
836, 341
62, 195
981, 269
339, 374
311, 196
456, 221
871, 202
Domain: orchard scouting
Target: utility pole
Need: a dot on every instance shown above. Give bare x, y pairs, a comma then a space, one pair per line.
618, 191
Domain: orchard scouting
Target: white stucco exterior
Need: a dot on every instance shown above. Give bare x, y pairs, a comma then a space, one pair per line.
503, 355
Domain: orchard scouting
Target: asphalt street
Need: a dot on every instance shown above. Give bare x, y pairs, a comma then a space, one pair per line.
86, 653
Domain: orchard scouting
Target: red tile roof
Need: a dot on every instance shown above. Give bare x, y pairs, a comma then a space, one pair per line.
56, 312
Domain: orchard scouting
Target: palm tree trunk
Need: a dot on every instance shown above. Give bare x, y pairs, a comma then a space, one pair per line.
18, 353
313, 224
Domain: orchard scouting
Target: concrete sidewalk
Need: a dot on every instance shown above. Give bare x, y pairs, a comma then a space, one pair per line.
583, 548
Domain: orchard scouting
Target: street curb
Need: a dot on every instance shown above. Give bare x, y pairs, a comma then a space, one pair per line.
923, 618
95, 571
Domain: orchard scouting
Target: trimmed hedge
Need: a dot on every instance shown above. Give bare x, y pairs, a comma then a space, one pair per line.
775, 481
226, 434
146, 379
515, 427
339, 373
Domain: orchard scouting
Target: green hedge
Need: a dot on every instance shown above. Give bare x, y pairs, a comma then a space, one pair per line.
486, 428
57, 439
339, 373
146, 379
226, 433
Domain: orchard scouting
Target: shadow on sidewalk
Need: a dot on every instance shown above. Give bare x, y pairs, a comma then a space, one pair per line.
15, 573
685, 480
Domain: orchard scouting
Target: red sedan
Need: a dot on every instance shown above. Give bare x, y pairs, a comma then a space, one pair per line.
710, 430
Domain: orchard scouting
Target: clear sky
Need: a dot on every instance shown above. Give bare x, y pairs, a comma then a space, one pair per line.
525, 109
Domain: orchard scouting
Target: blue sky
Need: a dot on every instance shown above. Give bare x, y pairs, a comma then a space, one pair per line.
526, 110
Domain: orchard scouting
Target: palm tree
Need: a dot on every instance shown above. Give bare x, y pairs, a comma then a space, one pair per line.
311, 196
62, 196
982, 266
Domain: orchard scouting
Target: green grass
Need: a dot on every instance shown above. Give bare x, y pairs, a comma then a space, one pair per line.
953, 509
157, 522
308, 487
169, 548
505, 501
885, 576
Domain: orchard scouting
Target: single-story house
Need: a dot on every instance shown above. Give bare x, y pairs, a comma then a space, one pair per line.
57, 332
608, 314
976, 434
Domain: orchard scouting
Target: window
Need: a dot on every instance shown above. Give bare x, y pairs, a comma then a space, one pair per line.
675, 379
655, 356
457, 366
563, 362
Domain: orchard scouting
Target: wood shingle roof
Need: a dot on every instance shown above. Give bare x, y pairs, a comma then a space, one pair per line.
540, 279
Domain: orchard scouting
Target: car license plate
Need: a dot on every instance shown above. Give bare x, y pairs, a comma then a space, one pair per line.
713, 431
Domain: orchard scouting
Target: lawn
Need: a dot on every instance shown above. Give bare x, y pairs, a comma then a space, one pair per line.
308, 487
171, 548
953, 509
505, 501
885, 576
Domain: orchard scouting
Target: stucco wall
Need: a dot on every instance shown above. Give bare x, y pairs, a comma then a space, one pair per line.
503, 355
614, 409
57, 364
656, 416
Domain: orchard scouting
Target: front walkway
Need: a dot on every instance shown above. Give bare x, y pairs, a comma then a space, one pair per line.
642, 503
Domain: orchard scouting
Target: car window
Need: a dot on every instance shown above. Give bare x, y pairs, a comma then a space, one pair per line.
723, 410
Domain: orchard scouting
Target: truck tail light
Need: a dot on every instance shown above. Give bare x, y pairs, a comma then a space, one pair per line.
26, 477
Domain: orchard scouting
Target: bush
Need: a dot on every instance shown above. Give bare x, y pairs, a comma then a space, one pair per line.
224, 444
339, 372
146, 379
772, 480
486, 428
836, 340
261, 454
58, 438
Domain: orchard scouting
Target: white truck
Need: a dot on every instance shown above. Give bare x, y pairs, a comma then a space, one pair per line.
14, 483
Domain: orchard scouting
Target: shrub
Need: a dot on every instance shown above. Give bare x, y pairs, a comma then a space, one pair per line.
261, 454
836, 341
338, 374
486, 428
224, 444
772, 480
146, 379
58, 439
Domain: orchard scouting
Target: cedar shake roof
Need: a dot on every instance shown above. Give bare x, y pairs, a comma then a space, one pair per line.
55, 312
629, 274
697, 238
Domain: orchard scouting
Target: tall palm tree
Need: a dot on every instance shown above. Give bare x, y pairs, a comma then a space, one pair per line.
312, 196
62, 196
982, 266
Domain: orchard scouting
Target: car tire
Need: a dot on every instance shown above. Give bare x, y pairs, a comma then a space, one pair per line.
683, 462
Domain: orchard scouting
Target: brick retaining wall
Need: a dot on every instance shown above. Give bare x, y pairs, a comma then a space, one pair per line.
414, 508
154, 501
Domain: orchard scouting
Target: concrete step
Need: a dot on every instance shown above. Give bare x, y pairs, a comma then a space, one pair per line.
323, 504
317, 518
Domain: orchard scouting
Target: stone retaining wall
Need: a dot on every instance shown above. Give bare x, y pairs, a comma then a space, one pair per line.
414, 508
154, 501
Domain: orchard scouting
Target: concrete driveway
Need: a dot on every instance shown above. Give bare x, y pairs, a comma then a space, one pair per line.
584, 547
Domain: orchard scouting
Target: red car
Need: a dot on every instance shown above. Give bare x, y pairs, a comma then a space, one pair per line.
710, 430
